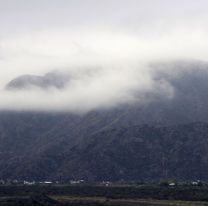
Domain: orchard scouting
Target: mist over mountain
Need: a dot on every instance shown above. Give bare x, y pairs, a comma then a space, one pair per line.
53, 79
103, 90
177, 93
162, 139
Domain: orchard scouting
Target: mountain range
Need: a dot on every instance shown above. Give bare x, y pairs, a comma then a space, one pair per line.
166, 138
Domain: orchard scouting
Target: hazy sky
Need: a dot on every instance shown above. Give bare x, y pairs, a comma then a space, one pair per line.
117, 37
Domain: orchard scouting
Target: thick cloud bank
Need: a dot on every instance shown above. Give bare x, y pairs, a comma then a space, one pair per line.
100, 59
103, 69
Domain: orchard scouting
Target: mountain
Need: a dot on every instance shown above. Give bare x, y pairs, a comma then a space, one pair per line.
166, 138
133, 153
52, 79
143, 153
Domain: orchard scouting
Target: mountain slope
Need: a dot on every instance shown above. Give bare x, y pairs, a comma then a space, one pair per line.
132, 153
52, 79
144, 152
163, 138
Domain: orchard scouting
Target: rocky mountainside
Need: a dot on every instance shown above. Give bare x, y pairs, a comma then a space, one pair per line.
164, 138
131, 153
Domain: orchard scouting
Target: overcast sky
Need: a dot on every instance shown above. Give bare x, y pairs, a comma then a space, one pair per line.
120, 37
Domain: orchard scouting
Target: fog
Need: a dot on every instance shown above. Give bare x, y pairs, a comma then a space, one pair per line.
107, 49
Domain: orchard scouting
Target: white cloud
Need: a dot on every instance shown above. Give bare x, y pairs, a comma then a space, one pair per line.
108, 56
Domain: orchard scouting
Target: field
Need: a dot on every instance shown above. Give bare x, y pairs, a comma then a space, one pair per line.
92, 195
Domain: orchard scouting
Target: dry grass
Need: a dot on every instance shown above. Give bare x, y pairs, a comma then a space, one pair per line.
129, 201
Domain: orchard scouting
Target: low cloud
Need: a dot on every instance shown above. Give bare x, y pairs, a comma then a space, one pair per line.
106, 68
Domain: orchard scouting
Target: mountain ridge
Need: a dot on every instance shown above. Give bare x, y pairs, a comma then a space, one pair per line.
163, 138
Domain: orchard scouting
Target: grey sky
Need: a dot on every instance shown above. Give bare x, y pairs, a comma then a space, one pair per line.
29, 15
